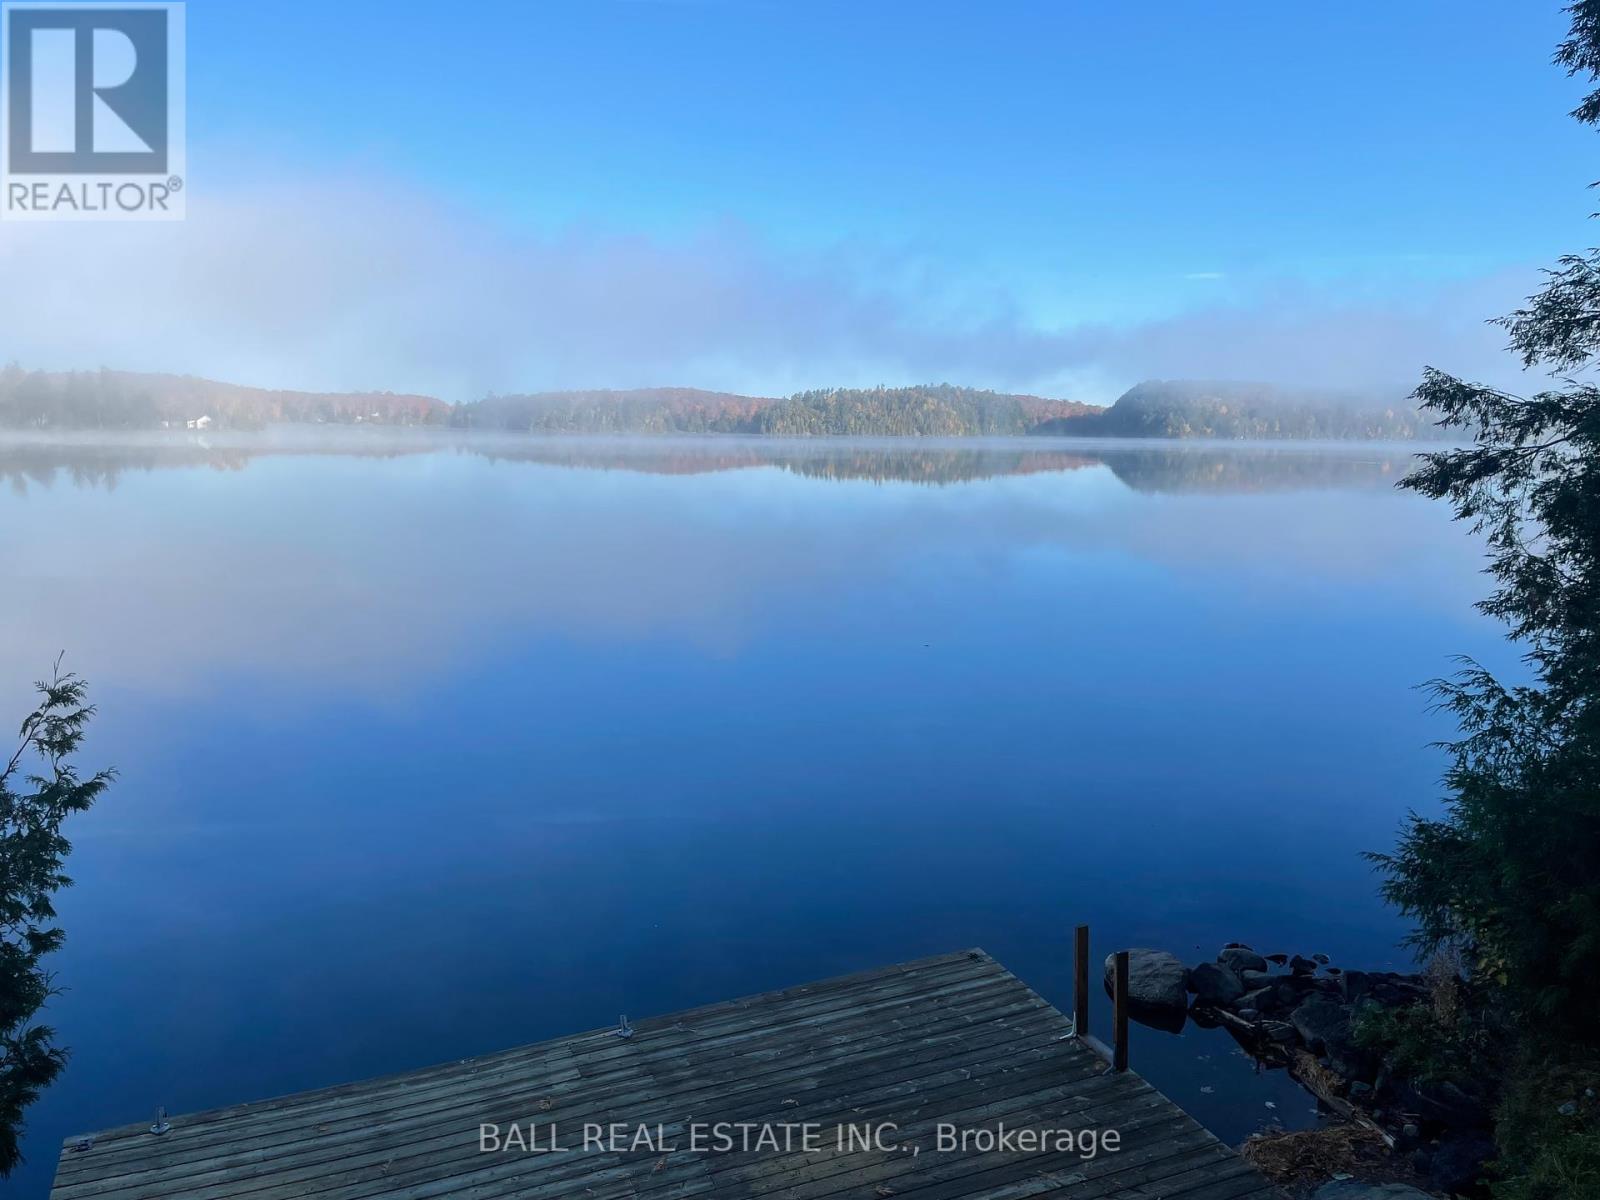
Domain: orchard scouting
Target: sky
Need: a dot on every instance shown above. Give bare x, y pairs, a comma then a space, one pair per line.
1061, 197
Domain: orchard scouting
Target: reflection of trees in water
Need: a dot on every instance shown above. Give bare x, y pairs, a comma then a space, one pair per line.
643, 457
929, 465
98, 465
1253, 469
27, 466
936, 466
1144, 468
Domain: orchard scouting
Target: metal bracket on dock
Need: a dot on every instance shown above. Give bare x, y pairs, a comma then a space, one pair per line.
623, 1029
162, 1124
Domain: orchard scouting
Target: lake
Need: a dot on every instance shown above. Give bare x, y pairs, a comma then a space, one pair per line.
430, 746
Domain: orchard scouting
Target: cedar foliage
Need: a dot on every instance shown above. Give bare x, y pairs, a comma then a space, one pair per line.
1510, 872
39, 788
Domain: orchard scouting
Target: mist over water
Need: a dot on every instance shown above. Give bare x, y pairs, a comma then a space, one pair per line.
433, 746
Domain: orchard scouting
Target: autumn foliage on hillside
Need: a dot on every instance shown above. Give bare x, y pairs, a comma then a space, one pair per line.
126, 400
640, 410
132, 400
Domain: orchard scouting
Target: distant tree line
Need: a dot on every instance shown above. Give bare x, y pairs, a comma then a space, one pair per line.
129, 400
641, 410
134, 400
938, 410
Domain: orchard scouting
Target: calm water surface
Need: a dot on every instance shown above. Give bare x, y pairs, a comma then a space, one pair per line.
428, 749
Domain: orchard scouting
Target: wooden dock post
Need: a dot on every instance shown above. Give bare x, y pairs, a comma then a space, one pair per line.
1119, 1005
1080, 981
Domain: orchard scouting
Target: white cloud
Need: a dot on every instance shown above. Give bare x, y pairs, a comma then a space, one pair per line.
364, 285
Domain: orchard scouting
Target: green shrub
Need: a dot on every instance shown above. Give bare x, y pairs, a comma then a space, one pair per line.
1417, 1043
1545, 1153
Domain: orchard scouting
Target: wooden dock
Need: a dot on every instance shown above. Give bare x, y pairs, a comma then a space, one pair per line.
955, 1040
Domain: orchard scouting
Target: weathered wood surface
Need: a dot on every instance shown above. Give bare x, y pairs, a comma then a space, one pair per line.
955, 1039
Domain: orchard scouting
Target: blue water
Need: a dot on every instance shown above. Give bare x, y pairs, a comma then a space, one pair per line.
431, 752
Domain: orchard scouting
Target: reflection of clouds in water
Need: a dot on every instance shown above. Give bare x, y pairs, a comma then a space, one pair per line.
121, 827
373, 574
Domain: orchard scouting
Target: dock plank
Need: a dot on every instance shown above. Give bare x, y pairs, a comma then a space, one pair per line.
955, 1040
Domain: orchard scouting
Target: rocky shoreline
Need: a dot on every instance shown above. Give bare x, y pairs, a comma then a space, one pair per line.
1303, 1014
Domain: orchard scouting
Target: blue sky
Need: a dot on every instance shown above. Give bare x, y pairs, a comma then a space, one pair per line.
1063, 197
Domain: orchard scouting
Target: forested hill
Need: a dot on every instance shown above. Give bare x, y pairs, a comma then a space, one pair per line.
938, 410
130, 400
134, 400
641, 410
1194, 409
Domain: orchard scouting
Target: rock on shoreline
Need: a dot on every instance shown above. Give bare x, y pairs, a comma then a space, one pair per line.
1301, 1013
1157, 981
